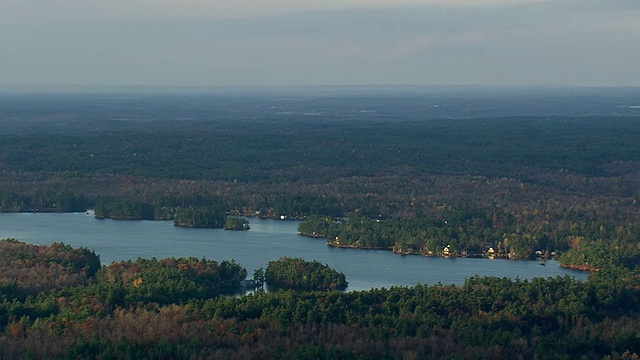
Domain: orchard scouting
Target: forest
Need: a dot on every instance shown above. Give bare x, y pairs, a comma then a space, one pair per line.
519, 185
177, 308
296, 273
516, 179
485, 235
236, 223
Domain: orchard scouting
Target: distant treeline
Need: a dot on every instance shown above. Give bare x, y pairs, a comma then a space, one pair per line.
591, 242
521, 186
382, 169
517, 184
285, 150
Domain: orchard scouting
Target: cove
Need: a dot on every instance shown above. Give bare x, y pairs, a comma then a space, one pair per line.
116, 240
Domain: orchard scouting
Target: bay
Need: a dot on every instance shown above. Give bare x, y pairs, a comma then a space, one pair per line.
116, 240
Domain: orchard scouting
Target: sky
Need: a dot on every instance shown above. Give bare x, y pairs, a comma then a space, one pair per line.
313, 42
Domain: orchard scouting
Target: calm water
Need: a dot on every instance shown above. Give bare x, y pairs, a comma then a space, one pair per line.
267, 240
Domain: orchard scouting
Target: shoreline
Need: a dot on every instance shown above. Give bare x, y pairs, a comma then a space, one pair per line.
585, 267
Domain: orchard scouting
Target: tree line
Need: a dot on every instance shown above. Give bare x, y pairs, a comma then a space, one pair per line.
587, 243
173, 308
516, 184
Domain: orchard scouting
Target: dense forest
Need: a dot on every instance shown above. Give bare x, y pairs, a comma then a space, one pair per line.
27, 270
519, 185
492, 174
173, 308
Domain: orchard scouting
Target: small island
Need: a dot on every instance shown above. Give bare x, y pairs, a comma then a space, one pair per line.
123, 210
236, 223
296, 273
200, 217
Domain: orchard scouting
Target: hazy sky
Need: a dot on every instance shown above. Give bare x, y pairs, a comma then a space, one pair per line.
311, 42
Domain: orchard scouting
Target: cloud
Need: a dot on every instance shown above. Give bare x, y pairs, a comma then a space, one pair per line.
128, 10
17, 11
319, 42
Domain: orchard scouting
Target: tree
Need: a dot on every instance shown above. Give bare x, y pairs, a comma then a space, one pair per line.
258, 277
236, 223
300, 274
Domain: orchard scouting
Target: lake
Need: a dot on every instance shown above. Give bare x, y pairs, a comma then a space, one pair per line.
116, 240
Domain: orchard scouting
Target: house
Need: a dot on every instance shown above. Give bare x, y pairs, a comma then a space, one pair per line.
447, 251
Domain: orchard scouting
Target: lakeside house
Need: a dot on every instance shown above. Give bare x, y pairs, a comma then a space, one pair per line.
490, 252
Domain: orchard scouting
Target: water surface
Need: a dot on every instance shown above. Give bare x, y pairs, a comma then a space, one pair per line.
116, 240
